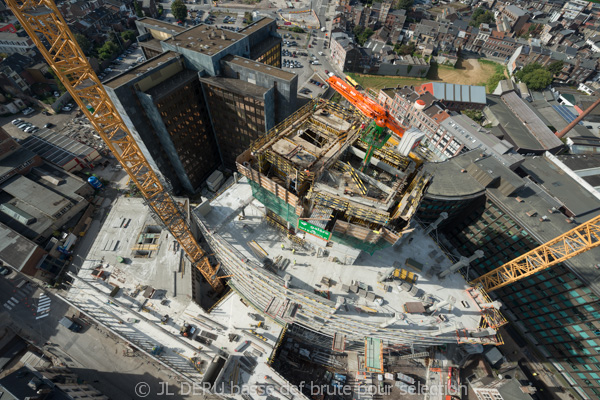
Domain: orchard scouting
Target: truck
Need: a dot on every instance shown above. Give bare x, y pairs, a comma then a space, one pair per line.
69, 324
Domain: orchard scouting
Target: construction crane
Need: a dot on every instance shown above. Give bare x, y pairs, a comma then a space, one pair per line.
377, 133
57, 44
576, 241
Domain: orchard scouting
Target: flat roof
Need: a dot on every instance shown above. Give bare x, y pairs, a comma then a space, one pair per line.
15, 249
15, 159
140, 69
578, 200
261, 23
260, 67
36, 195
151, 22
448, 181
206, 39
236, 86
169, 274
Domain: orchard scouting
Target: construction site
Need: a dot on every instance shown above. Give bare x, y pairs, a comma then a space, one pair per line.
329, 252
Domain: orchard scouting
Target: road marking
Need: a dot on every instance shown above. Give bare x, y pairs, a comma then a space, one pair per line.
14, 299
7, 306
43, 302
11, 303
42, 316
40, 310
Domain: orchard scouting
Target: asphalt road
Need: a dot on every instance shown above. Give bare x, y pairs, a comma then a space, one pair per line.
93, 354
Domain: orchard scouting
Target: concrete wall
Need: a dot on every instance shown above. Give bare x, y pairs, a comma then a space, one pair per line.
418, 71
269, 110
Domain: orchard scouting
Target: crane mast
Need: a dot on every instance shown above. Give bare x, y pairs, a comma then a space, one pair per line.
377, 133
63, 54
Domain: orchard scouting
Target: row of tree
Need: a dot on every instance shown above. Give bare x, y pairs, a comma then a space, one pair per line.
537, 77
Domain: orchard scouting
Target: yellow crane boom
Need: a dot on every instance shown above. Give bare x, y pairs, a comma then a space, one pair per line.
63, 54
578, 240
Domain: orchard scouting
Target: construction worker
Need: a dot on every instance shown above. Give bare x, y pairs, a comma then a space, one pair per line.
282, 246
293, 251
294, 262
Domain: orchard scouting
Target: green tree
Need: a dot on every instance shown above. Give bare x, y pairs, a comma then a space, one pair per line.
362, 34
161, 10
83, 42
107, 50
405, 4
61, 87
297, 29
481, 16
128, 35
556, 67
247, 17
179, 10
526, 70
538, 79
404, 49
138, 9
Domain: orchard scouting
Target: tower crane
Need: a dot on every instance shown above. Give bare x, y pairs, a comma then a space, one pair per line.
57, 44
576, 241
377, 133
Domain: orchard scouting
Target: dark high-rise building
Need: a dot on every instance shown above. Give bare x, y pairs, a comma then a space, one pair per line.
506, 214
203, 96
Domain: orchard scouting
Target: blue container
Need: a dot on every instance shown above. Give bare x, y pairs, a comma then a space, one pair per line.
95, 182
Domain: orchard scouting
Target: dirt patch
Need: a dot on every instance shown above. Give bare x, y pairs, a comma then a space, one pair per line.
466, 72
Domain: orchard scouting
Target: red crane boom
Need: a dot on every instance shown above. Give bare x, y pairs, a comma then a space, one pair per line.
366, 105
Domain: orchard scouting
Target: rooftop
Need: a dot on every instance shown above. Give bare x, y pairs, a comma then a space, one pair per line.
207, 39
237, 86
56, 148
140, 69
15, 250
154, 270
255, 26
260, 67
455, 92
520, 124
150, 23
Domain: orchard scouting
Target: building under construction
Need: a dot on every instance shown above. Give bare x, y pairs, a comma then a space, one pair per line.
307, 172
316, 244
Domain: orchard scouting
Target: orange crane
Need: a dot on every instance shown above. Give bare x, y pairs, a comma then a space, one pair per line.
377, 133
57, 44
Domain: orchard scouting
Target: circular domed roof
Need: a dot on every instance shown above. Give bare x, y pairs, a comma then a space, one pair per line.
420, 102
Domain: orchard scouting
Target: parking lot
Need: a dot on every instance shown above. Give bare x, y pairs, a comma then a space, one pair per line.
127, 60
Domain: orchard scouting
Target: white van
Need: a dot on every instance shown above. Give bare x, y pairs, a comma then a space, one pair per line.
321, 53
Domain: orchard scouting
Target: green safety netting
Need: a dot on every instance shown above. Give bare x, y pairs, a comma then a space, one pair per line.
275, 204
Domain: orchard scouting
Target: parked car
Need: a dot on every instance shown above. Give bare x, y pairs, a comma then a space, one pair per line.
46, 113
28, 111
66, 108
16, 121
48, 125
56, 94
4, 271
31, 129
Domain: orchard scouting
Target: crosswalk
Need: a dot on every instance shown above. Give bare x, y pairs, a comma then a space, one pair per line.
43, 307
20, 295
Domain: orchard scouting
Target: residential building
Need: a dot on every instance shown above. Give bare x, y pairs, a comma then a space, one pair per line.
573, 8
410, 108
13, 73
202, 96
15, 42
149, 8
